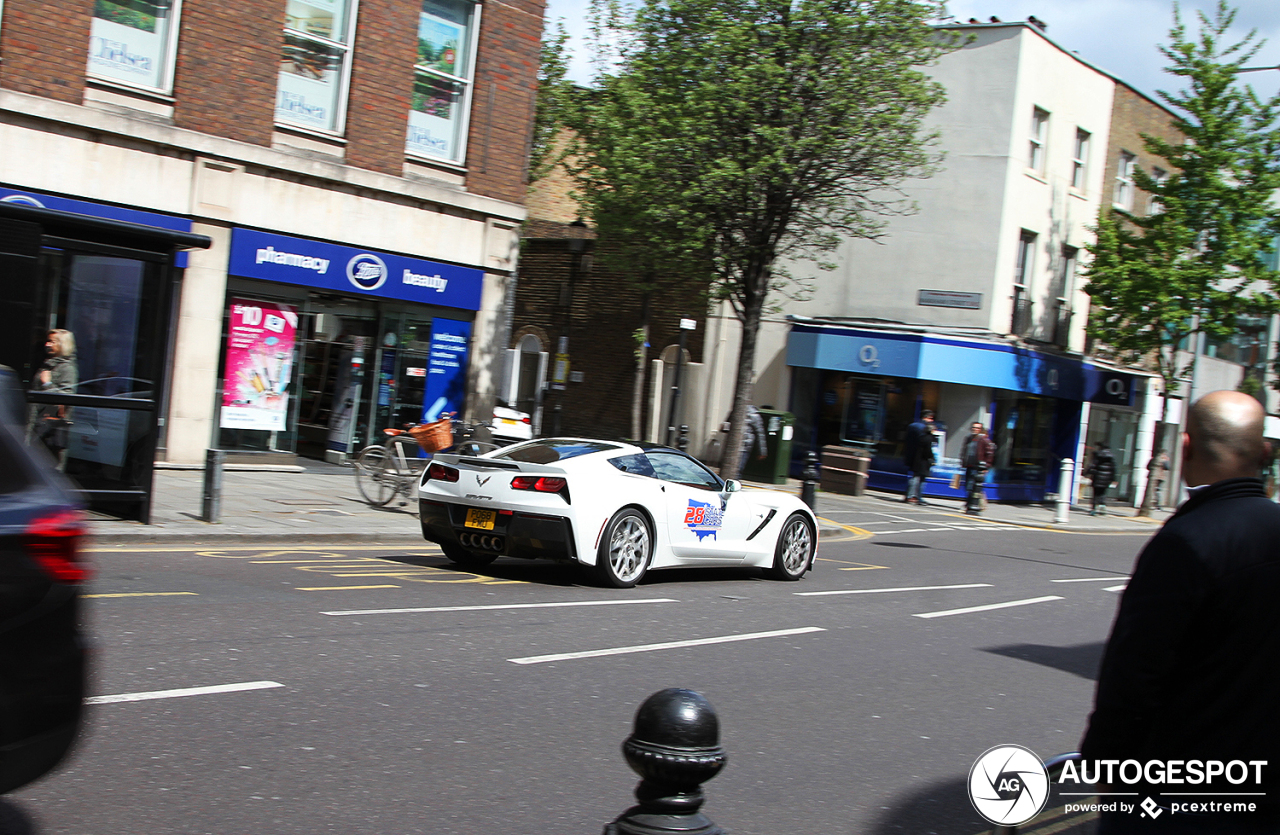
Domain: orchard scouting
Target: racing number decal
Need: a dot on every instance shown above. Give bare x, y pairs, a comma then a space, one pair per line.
703, 519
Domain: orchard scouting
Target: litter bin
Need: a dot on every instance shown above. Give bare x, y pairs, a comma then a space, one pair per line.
772, 469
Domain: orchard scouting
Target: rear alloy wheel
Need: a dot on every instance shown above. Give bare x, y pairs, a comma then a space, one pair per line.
626, 549
794, 553
463, 558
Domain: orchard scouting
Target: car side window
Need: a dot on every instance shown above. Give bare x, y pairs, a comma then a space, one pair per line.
674, 467
637, 464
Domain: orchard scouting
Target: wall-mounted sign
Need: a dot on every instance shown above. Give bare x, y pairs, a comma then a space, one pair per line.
446, 382
360, 272
946, 298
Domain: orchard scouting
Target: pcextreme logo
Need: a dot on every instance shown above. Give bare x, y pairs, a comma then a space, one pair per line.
1008, 785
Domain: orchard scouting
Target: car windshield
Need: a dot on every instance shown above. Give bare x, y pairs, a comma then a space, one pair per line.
551, 450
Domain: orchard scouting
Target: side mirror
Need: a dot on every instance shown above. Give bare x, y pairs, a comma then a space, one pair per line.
733, 486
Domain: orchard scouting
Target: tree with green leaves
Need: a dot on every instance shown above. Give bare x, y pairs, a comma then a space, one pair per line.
554, 102
737, 135
1195, 264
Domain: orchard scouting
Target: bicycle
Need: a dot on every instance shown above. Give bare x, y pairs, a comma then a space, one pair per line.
393, 468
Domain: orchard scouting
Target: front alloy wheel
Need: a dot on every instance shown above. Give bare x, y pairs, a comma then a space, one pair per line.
793, 555
626, 550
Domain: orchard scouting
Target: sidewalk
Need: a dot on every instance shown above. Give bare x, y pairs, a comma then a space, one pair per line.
321, 503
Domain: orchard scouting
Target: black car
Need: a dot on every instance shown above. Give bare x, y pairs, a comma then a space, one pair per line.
42, 653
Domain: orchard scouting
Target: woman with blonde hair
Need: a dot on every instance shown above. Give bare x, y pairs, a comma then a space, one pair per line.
58, 373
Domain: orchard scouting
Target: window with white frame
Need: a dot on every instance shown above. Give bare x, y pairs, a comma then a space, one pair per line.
315, 65
1124, 180
1021, 279
1154, 206
1080, 160
442, 80
1039, 127
133, 42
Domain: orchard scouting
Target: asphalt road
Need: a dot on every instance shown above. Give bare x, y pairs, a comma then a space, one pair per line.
377, 690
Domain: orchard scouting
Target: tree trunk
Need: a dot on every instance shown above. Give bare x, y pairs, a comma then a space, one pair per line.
1157, 446
642, 362
744, 387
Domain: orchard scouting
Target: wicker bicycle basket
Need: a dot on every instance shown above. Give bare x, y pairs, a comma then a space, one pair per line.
434, 436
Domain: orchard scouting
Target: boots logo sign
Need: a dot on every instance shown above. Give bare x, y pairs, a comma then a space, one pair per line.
366, 272
1008, 785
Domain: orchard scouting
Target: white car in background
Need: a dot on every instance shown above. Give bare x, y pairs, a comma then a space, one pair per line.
510, 426
618, 508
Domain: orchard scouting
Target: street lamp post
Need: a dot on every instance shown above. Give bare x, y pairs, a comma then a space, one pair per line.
674, 419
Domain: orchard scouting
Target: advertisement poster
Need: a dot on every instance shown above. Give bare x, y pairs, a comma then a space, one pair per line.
259, 363
308, 84
439, 44
446, 368
128, 44
433, 118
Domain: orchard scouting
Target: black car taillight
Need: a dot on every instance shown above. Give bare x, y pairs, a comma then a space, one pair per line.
54, 544
439, 472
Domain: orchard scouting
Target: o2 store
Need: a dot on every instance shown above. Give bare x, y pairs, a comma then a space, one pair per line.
324, 346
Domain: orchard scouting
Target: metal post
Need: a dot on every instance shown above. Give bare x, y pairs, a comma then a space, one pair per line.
809, 483
1065, 479
682, 442
675, 748
211, 506
673, 418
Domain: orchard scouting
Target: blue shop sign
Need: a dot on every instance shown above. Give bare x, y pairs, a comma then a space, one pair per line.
446, 383
344, 269
854, 351
84, 207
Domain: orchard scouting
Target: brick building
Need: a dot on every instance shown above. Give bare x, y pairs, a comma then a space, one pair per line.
359, 164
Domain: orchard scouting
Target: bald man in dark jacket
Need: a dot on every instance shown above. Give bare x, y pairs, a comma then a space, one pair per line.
1192, 667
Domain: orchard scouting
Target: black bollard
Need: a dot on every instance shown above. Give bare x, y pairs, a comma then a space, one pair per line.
682, 443
809, 483
675, 748
211, 500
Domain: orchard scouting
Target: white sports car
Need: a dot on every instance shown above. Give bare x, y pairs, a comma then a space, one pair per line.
616, 507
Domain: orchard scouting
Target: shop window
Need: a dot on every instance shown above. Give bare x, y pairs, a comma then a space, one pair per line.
442, 82
864, 412
315, 65
1023, 433
133, 42
1155, 207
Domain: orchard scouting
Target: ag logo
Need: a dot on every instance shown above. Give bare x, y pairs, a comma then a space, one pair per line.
1008, 785
366, 272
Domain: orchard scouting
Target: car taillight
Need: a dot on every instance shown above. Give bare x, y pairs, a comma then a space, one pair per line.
54, 544
440, 472
526, 419
542, 484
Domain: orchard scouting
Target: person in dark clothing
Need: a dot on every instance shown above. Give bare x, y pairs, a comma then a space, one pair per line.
1102, 472
976, 456
918, 454
753, 436
1190, 670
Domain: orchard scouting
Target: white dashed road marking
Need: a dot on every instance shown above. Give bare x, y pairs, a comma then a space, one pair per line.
488, 608
696, 642
988, 607
185, 691
1085, 580
886, 591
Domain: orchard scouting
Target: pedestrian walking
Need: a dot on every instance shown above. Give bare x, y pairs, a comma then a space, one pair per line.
976, 456
918, 454
1189, 675
752, 436
1102, 472
59, 373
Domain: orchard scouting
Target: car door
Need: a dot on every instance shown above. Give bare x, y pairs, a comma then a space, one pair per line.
705, 522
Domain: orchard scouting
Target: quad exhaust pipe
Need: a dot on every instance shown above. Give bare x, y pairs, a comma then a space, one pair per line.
482, 541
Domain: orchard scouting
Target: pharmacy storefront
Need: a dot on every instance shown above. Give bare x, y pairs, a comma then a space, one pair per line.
324, 346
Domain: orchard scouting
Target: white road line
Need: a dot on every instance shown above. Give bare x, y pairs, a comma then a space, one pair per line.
1086, 580
988, 607
885, 591
1120, 587
185, 691
697, 642
502, 606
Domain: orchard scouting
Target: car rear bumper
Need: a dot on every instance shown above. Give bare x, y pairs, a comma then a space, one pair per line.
518, 534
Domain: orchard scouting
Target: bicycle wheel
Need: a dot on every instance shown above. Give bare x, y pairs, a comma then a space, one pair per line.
376, 476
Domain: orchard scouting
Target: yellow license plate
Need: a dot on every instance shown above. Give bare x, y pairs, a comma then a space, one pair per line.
480, 518
509, 421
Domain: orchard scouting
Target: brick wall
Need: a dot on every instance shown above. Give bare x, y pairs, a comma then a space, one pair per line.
44, 47
381, 85
1131, 116
599, 321
502, 101
228, 63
